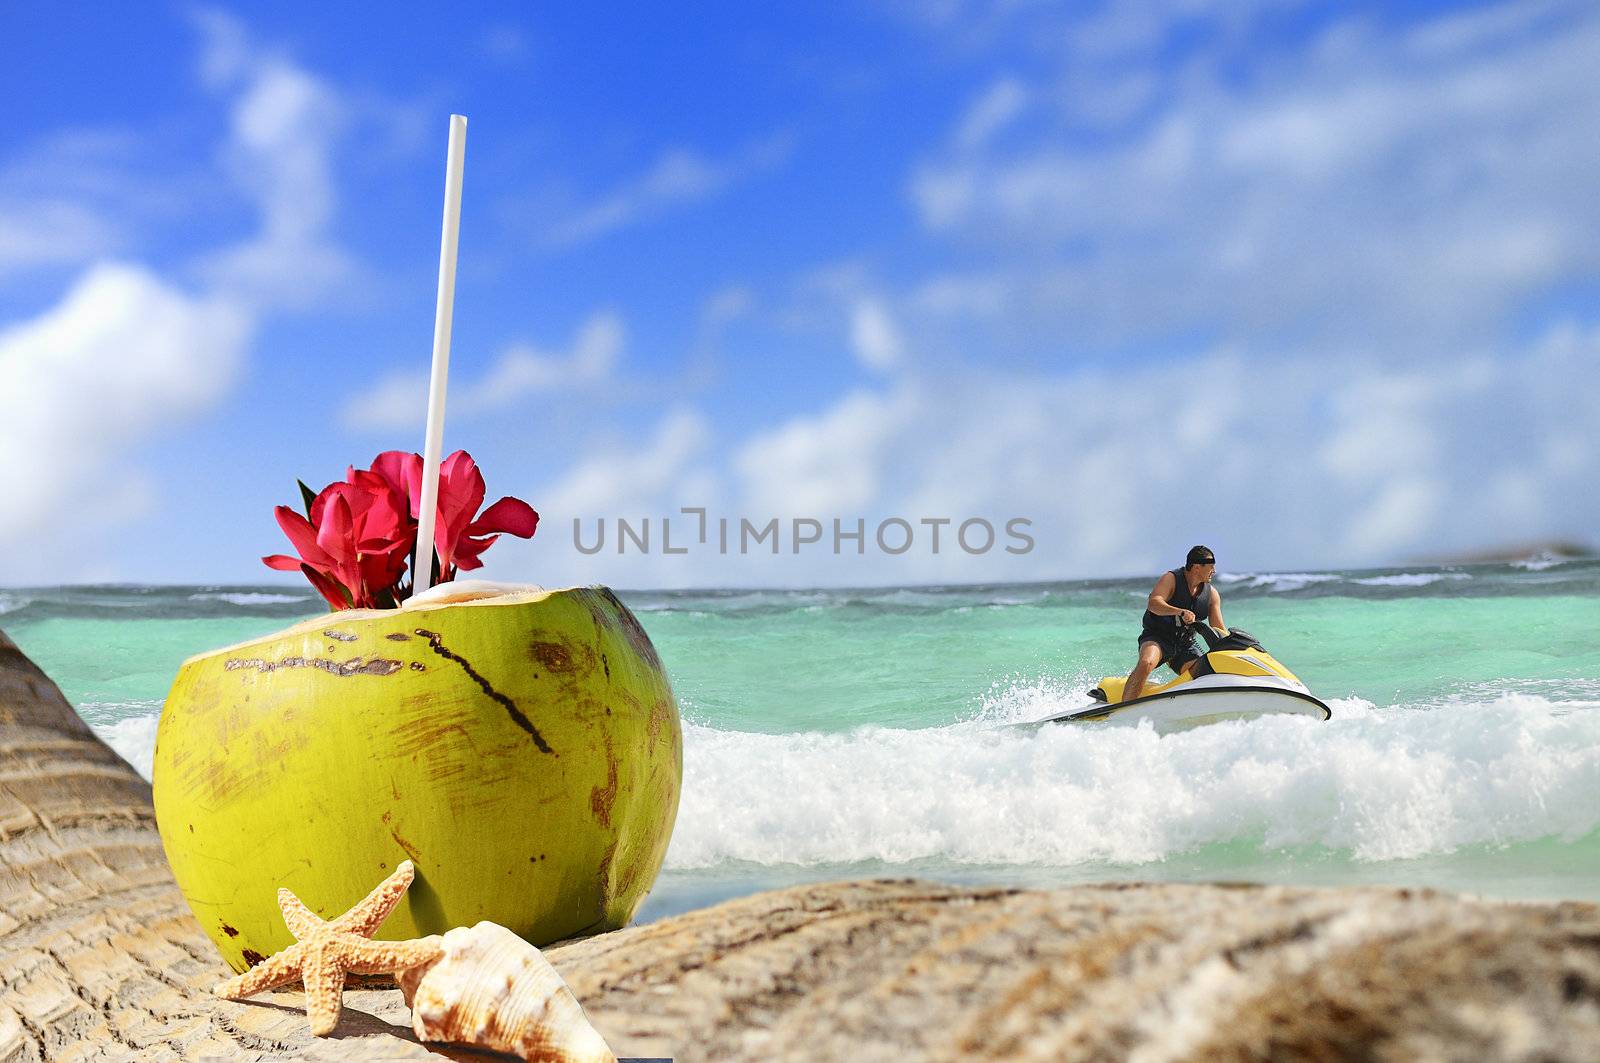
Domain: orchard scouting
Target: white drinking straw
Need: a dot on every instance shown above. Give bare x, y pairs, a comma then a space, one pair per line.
433, 448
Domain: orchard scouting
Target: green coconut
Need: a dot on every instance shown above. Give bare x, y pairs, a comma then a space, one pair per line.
524, 750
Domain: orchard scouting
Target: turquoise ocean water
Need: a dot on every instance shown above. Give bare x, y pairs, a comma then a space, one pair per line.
847, 733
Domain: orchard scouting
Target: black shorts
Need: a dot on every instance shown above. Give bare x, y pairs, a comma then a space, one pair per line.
1176, 651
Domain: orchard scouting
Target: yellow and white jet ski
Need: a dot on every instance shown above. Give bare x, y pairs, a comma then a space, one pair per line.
1236, 679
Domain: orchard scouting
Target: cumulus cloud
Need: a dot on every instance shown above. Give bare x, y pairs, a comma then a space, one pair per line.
679, 176
1282, 464
875, 336
826, 464
619, 480
1413, 187
1267, 296
998, 105
400, 400
81, 194
284, 125
126, 353
51, 232
122, 355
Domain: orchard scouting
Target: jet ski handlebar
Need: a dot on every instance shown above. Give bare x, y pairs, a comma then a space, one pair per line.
1235, 639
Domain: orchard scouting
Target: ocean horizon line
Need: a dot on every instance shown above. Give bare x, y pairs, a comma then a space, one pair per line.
287, 586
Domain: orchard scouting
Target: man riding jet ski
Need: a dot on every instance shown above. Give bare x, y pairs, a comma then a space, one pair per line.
1236, 679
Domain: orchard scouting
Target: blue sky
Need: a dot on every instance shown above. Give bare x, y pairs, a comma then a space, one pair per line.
1316, 284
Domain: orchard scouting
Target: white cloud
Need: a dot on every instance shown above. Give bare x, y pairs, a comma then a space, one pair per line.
617, 481
1390, 188
824, 465
284, 125
678, 176
82, 194
505, 44
1397, 518
121, 357
997, 106
126, 354
875, 336
727, 304
400, 400
1350, 223
51, 232
1277, 463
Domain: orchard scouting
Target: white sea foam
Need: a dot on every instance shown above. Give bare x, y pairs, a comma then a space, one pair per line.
1539, 562
247, 597
1375, 784
1277, 581
134, 739
10, 603
1410, 579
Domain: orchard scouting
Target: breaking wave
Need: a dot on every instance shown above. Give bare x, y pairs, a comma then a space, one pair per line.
248, 597
1276, 581
1375, 784
1410, 579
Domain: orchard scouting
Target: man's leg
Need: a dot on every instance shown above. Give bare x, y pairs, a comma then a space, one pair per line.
1149, 660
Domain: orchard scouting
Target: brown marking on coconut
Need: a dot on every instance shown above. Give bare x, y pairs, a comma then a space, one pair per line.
601, 799
219, 781
409, 846
421, 732
556, 657
604, 879
660, 720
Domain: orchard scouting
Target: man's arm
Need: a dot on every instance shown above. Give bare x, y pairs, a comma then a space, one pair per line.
1216, 612
1158, 604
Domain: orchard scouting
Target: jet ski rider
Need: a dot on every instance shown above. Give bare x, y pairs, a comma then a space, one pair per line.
1178, 598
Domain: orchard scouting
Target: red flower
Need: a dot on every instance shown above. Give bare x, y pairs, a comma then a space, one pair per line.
354, 547
460, 538
359, 535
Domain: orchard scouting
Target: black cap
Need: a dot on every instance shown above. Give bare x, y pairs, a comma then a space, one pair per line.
1200, 555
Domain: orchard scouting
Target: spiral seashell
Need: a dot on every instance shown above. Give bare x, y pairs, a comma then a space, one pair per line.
493, 990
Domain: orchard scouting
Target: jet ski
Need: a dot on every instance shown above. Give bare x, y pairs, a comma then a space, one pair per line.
1236, 679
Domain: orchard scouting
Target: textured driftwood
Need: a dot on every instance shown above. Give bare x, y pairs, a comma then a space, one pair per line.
99, 957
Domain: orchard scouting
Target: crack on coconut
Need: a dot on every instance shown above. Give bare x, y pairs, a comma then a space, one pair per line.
436, 642
354, 666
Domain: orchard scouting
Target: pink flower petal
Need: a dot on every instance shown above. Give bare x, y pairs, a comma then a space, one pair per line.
510, 515
404, 473
332, 592
302, 536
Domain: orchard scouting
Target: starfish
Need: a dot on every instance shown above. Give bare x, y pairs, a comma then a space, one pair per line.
326, 950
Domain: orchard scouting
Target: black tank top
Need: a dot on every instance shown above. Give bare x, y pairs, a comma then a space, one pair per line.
1180, 598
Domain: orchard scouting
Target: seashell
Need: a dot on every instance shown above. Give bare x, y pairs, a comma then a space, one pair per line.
493, 990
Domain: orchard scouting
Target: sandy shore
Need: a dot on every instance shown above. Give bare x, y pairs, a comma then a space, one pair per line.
99, 957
